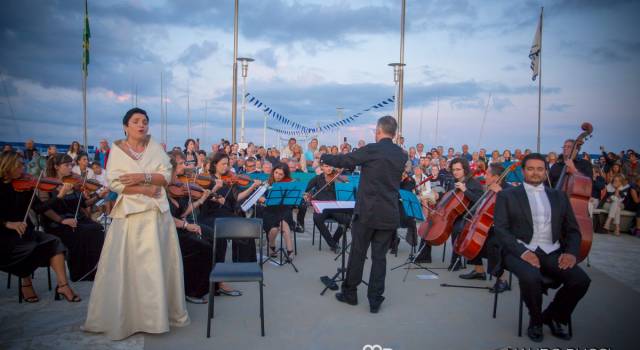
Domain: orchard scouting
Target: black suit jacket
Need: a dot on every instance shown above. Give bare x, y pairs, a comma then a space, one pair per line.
381, 165
513, 221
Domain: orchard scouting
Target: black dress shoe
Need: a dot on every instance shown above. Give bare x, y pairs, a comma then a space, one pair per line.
535, 333
473, 275
374, 308
299, 228
499, 287
557, 329
348, 300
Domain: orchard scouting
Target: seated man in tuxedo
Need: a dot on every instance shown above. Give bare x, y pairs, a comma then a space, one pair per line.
540, 236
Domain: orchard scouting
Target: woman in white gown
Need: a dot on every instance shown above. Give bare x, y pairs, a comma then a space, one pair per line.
139, 283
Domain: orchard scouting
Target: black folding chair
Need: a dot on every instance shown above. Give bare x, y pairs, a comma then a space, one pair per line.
236, 228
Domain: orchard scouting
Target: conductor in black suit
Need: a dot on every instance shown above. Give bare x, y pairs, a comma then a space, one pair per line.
376, 214
539, 232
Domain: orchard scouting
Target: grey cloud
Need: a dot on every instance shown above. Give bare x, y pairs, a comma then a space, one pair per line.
267, 57
558, 107
196, 53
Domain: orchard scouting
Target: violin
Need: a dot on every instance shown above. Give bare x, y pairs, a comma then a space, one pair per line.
80, 184
27, 182
336, 175
578, 189
180, 189
475, 232
241, 180
204, 181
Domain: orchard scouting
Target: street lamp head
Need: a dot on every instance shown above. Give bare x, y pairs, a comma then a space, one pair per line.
396, 70
245, 64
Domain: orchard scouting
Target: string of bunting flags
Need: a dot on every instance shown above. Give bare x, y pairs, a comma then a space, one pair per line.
299, 129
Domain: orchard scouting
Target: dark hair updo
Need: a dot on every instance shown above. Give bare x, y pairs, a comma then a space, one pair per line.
131, 112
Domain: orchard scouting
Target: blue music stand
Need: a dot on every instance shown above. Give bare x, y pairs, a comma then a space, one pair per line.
346, 191
284, 194
411, 205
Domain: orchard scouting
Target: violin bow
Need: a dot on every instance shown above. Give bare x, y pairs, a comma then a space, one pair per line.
193, 209
33, 196
84, 180
327, 184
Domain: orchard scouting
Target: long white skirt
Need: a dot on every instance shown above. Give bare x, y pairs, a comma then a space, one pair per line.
139, 284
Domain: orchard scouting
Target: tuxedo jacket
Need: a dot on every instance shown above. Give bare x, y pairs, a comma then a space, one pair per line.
378, 194
513, 221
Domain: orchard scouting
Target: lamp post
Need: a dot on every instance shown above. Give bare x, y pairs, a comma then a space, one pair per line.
339, 111
397, 72
245, 67
234, 91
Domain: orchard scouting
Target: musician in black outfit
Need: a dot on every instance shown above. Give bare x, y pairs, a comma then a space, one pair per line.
540, 236
472, 189
491, 248
376, 214
577, 164
324, 192
408, 183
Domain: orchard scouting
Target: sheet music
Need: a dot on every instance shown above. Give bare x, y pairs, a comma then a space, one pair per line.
254, 198
320, 206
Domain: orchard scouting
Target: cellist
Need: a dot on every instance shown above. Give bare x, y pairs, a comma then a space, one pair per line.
495, 184
577, 164
472, 189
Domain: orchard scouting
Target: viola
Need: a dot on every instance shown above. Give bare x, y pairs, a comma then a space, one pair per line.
476, 231
27, 182
578, 189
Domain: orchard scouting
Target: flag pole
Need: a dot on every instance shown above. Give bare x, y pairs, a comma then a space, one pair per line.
539, 83
85, 63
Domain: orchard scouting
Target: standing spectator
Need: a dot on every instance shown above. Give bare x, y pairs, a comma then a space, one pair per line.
465, 153
419, 150
518, 154
201, 163
506, 156
190, 153
74, 150
298, 155
450, 153
287, 150
102, 154
311, 150
615, 169
597, 188
482, 155
552, 158
28, 150
52, 150
630, 168
495, 157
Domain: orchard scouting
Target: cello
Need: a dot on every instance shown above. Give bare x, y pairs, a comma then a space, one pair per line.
578, 189
475, 232
437, 229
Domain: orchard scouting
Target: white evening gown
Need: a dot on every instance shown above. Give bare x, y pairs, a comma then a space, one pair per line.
139, 283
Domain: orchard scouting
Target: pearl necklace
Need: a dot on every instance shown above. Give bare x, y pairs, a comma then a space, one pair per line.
136, 155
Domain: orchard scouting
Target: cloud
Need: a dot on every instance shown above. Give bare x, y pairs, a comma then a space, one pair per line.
267, 57
558, 107
196, 53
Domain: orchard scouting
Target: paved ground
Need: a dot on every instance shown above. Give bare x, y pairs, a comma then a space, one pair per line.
418, 314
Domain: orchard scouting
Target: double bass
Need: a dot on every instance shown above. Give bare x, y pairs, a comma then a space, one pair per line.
578, 189
476, 231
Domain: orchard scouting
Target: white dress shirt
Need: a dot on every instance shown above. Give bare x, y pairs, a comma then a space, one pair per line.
541, 217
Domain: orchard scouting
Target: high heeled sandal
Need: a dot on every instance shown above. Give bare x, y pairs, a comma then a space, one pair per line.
32, 299
273, 253
59, 296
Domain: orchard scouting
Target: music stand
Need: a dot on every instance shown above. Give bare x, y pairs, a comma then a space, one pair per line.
345, 207
413, 209
346, 191
281, 196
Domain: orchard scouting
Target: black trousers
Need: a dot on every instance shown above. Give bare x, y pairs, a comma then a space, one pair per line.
319, 221
425, 250
302, 212
361, 237
458, 226
575, 284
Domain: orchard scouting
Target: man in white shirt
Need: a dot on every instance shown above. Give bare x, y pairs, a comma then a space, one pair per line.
287, 151
539, 234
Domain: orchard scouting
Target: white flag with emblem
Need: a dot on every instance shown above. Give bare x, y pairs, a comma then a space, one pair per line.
534, 53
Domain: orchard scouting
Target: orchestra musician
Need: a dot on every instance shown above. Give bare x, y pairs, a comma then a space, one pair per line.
577, 164
490, 247
376, 215
538, 231
275, 218
472, 189
324, 189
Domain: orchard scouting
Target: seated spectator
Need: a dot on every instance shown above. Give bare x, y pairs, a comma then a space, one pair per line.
633, 203
597, 189
613, 202
615, 169
82, 167
630, 168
